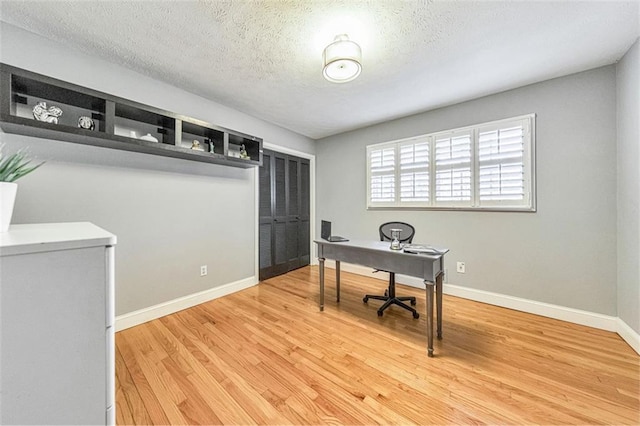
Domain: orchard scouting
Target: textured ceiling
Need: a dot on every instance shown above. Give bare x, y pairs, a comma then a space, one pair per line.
265, 57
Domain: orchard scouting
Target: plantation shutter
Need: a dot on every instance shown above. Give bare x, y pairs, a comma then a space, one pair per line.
502, 155
414, 172
489, 166
382, 172
453, 168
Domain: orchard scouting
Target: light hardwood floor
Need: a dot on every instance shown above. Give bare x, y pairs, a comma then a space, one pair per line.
267, 355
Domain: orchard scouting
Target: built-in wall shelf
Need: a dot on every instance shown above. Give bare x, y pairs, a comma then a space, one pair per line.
113, 122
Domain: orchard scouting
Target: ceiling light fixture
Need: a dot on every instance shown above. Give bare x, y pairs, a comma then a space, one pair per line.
342, 60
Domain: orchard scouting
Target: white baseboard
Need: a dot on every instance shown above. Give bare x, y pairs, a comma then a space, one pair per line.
576, 316
152, 312
629, 335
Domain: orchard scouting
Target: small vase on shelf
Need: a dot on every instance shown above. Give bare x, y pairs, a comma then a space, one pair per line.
86, 123
149, 138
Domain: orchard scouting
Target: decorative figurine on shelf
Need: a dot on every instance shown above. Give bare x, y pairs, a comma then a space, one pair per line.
86, 123
149, 138
41, 113
196, 145
209, 143
243, 153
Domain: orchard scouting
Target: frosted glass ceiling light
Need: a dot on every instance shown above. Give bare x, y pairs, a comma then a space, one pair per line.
342, 60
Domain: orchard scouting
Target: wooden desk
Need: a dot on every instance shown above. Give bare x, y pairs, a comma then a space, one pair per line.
377, 254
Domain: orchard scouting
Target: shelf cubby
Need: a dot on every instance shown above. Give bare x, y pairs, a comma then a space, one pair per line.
26, 93
252, 146
211, 140
118, 123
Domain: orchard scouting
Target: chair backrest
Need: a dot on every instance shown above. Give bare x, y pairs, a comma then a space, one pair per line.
406, 235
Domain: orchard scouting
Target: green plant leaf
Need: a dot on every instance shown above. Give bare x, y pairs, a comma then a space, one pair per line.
15, 166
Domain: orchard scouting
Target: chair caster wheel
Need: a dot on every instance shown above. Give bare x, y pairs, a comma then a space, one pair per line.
379, 313
413, 303
416, 315
365, 299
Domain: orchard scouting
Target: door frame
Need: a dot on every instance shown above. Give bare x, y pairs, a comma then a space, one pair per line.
312, 203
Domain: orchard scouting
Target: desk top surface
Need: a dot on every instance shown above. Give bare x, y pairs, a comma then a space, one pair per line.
377, 245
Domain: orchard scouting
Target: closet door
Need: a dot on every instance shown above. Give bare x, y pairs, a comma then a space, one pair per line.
293, 213
284, 214
304, 230
279, 197
298, 223
265, 222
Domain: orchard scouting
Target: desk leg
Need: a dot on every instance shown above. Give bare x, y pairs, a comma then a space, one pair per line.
321, 260
429, 286
439, 280
337, 280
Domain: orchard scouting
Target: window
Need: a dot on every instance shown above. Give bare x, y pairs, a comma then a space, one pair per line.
453, 167
382, 164
487, 166
414, 172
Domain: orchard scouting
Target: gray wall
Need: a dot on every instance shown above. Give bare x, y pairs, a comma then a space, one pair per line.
170, 215
628, 85
563, 254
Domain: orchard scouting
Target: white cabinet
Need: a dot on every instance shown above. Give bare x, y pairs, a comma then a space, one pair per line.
57, 363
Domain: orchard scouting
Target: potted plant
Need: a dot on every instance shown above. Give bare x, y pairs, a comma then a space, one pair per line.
12, 168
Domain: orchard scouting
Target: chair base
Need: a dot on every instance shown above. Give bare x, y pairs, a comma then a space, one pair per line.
388, 301
390, 297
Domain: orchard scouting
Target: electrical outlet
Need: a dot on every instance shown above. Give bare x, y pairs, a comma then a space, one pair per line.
460, 268
203, 270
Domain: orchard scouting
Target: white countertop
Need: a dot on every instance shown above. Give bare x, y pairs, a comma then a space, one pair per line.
40, 237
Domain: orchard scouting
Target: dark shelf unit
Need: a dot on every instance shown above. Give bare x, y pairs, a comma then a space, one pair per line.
204, 134
119, 123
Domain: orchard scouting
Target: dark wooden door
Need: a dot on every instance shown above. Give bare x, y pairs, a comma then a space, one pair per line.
284, 213
267, 189
298, 212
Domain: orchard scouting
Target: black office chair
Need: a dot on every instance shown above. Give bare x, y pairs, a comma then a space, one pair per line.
406, 236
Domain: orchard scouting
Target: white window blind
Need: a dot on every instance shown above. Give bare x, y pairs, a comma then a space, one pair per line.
502, 155
486, 166
453, 167
414, 172
382, 167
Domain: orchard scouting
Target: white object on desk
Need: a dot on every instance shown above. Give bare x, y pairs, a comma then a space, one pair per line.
57, 353
422, 249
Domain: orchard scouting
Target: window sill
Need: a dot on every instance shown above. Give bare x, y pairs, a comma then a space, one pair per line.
462, 209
